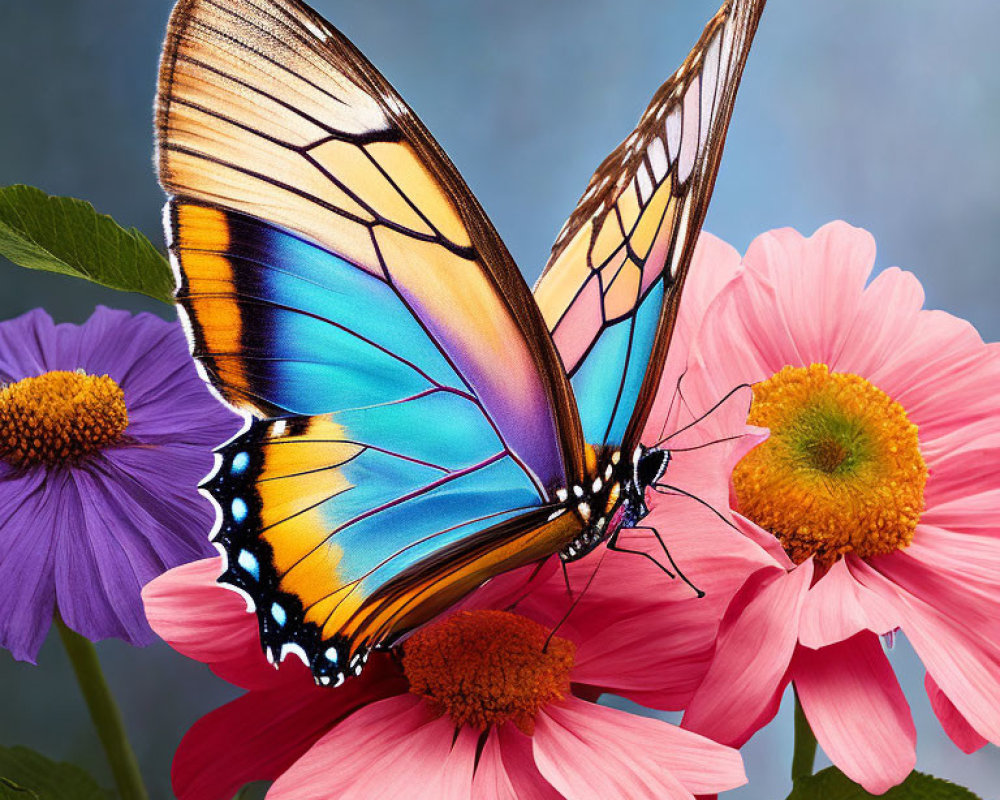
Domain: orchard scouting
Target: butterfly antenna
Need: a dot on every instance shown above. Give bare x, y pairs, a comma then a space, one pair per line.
666, 488
703, 445
673, 399
706, 415
575, 602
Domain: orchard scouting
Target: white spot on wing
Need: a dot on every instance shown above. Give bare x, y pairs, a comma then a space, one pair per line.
689, 134
658, 158
291, 648
644, 183
316, 30
709, 77
682, 232
673, 130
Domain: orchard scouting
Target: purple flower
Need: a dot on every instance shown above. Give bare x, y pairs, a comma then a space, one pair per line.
105, 432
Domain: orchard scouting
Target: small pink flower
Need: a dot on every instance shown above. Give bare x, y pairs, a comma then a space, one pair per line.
872, 506
474, 707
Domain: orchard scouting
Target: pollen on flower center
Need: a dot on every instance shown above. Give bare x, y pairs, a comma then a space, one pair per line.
59, 417
841, 472
488, 667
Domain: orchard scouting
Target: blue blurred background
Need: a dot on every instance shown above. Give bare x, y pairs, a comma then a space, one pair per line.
886, 114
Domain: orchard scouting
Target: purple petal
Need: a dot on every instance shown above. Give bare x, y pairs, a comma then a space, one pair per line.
27, 343
162, 482
29, 507
126, 532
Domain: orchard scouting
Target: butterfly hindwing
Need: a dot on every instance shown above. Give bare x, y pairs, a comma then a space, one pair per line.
344, 289
610, 290
342, 545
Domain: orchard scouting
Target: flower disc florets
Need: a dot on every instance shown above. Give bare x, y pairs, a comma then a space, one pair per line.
59, 417
841, 472
488, 667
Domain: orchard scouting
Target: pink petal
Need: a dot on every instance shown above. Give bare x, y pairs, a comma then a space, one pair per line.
202, 620
704, 451
965, 665
765, 540
507, 770
756, 643
819, 282
885, 315
586, 751
960, 467
968, 514
942, 374
944, 587
955, 725
970, 563
857, 710
647, 637
491, 779
258, 736
393, 748
838, 606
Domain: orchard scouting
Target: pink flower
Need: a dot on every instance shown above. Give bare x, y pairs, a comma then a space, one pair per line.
872, 506
412, 726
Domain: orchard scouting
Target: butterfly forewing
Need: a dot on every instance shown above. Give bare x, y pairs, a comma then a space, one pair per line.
611, 288
342, 286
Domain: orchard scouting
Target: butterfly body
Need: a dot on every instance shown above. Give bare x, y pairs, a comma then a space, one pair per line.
417, 420
614, 499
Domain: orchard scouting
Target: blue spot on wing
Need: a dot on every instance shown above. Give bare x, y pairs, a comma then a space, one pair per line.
240, 462
248, 561
239, 509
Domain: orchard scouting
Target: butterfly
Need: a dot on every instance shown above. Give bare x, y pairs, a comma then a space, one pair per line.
417, 421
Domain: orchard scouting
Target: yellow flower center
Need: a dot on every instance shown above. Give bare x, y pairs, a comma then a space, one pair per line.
841, 471
59, 417
487, 667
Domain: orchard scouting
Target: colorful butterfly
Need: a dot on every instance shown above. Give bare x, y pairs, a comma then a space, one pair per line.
418, 422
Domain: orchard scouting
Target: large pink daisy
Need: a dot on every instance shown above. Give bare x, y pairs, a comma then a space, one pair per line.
481, 705
872, 505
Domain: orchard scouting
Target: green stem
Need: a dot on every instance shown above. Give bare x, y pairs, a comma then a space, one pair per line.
804, 754
104, 712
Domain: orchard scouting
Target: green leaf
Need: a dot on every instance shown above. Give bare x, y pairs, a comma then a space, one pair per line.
11, 791
832, 784
65, 235
27, 775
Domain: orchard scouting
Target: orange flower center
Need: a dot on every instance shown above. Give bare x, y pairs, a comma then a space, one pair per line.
841, 472
487, 667
59, 417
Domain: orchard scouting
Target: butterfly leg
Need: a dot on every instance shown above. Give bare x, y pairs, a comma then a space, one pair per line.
614, 544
